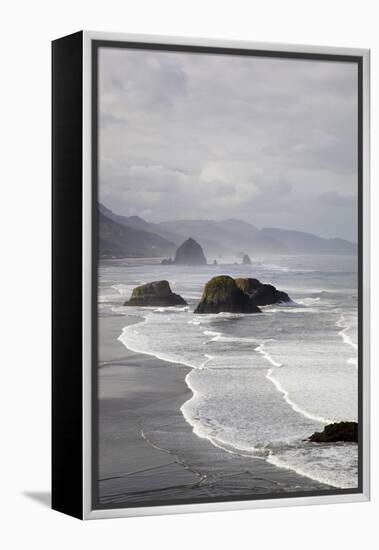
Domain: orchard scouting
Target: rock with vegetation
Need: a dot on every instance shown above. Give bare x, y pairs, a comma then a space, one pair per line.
263, 294
246, 260
339, 431
190, 253
221, 294
157, 293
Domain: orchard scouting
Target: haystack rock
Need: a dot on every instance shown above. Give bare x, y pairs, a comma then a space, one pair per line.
190, 253
246, 260
262, 294
339, 431
157, 293
221, 294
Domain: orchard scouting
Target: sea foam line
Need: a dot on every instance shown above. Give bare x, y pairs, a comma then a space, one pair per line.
220, 337
199, 430
123, 339
272, 459
260, 349
341, 323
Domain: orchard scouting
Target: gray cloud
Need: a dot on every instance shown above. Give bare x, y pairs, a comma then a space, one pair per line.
270, 141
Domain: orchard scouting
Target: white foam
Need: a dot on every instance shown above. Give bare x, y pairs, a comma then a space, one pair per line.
341, 323
220, 337
247, 403
125, 339
260, 349
342, 478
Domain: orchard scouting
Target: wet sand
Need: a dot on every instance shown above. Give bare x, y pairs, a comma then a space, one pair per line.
148, 453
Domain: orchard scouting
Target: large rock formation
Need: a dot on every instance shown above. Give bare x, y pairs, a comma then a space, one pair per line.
339, 431
221, 294
190, 253
262, 294
246, 259
157, 293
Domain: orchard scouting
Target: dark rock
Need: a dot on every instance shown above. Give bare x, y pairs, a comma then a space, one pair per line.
246, 260
190, 253
221, 294
215, 262
157, 293
263, 294
166, 262
339, 431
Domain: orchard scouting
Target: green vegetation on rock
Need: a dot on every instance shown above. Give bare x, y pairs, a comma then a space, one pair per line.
156, 293
221, 294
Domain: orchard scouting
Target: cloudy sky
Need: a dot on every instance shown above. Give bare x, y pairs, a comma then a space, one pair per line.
192, 136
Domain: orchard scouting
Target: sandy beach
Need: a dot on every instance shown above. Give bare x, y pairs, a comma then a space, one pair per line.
147, 451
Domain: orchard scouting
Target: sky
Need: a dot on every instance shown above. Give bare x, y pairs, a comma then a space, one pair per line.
191, 136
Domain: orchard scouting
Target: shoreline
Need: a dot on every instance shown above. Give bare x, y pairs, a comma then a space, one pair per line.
148, 450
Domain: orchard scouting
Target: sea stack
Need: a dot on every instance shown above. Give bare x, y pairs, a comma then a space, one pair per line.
262, 294
221, 294
190, 253
155, 294
246, 260
339, 431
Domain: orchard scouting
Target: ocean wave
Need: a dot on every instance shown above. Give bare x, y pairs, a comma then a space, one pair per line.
335, 465
260, 349
309, 301
127, 331
184, 331
299, 309
171, 309
220, 337
341, 323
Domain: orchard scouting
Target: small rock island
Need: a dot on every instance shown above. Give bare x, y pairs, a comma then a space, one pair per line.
188, 253
338, 431
262, 293
225, 294
157, 293
221, 294
246, 260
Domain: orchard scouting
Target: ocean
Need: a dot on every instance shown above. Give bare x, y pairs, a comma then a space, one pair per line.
261, 383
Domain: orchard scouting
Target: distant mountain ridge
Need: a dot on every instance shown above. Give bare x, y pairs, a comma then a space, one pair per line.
121, 241
132, 236
299, 242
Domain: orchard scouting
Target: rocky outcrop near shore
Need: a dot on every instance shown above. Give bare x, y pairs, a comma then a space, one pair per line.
263, 294
339, 431
221, 294
155, 294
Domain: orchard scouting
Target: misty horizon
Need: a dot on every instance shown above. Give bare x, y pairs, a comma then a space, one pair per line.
270, 141
218, 220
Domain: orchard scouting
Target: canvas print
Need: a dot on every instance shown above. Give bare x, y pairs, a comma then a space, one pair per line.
227, 283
